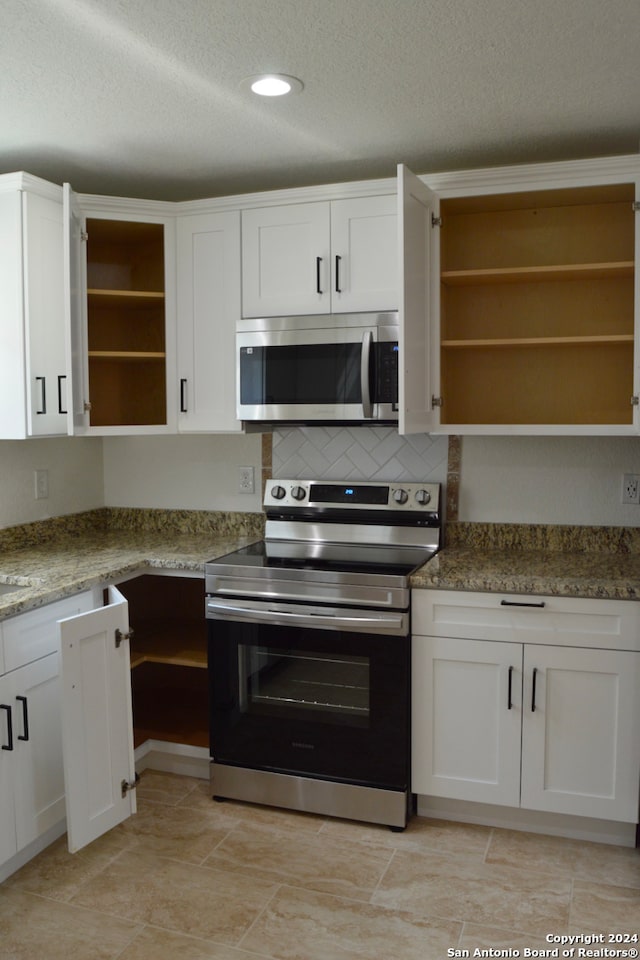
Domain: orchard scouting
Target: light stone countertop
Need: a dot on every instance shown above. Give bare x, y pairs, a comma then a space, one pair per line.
57, 559
590, 562
49, 560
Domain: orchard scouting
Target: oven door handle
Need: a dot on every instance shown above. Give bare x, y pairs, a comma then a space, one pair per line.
365, 361
392, 622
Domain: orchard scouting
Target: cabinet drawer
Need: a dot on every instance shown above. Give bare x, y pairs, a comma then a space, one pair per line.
560, 621
34, 634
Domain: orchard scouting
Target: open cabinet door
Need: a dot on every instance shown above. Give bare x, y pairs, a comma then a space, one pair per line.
97, 721
417, 206
77, 356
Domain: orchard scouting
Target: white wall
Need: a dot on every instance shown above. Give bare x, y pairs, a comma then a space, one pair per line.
192, 473
570, 480
504, 479
75, 478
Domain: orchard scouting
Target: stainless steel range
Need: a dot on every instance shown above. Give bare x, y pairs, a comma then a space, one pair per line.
309, 649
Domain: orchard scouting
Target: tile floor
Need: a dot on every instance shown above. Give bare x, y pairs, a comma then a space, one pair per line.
190, 879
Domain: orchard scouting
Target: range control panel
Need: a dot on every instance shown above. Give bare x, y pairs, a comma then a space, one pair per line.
365, 495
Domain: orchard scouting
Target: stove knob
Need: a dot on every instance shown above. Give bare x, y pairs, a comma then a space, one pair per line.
298, 493
423, 496
400, 496
278, 492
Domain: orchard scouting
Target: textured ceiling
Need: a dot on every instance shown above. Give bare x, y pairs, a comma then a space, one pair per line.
143, 97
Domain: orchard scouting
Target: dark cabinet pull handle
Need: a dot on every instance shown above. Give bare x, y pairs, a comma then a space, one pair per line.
338, 259
61, 377
25, 718
509, 702
518, 603
533, 689
9, 744
43, 394
318, 264
183, 395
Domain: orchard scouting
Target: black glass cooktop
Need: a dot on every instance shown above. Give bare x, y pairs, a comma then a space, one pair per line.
301, 555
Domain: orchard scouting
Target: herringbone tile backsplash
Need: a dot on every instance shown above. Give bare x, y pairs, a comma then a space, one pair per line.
358, 453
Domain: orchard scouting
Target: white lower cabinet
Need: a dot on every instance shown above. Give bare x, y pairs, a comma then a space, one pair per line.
97, 724
32, 788
551, 724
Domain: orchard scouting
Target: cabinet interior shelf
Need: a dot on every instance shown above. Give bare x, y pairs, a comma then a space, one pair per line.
126, 295
126, 355
538, 341
573, 271
178, 646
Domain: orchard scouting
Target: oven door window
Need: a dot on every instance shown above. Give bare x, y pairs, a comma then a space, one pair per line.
333, 687
310, 702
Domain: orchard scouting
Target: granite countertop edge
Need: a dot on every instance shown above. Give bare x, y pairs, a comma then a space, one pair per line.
48, 561
558, 562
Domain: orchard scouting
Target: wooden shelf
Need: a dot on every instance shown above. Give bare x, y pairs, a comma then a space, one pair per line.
538, 341
170, 703
539, 274
127, 294
126, 355
177, 645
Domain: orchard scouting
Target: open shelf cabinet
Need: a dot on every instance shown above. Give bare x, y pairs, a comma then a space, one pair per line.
168, 659
126, 322
537, 307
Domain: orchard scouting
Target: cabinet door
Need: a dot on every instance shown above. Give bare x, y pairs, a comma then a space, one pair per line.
581, 732
38, 769
97, 724
44, 315
208, 248
418, 258
466, 718
75, 315
8, 839
285, 260
13, 413
364, 255
32, 354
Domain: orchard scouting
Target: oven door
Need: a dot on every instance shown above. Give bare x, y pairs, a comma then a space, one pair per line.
329, 701
329, 374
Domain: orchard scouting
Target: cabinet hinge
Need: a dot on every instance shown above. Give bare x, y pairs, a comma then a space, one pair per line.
635, 401
84, 236
436, 221
127, 785
436, 401
120, 636
635, 205
87, 406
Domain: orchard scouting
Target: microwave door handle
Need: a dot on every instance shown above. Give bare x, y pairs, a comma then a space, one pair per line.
365, 359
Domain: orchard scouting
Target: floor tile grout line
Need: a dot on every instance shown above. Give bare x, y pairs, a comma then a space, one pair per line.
394, 851
258, 916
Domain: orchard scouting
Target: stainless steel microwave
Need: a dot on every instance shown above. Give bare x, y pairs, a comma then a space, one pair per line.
319, 369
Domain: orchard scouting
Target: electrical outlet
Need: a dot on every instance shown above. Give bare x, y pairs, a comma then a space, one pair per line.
245, 480
41, 480
631, 488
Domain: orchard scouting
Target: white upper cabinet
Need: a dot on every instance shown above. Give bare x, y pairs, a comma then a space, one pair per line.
208, 297
335, 256
417, 213
121, 315
33, 371
532, 298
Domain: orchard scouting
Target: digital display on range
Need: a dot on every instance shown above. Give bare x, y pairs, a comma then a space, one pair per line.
344, 493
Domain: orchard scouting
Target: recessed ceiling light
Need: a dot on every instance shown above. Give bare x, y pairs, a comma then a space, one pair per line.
273, 84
